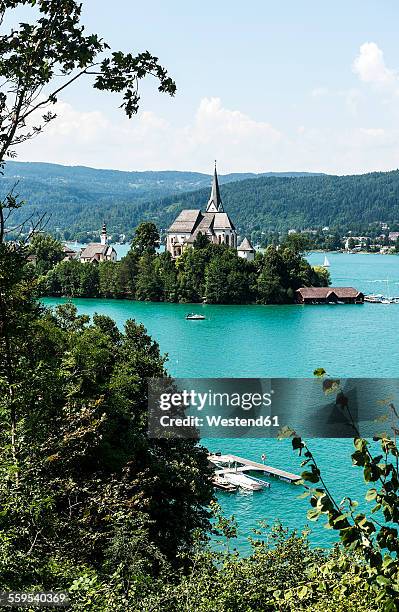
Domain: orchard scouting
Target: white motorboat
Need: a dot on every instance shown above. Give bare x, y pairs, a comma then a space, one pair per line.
194, 317
244, 482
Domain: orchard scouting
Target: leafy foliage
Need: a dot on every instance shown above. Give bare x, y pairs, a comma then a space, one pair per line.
371, 537
79, 476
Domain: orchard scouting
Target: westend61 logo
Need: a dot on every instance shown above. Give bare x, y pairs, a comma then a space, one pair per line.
262, 407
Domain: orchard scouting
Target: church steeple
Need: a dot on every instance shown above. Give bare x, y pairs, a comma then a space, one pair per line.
104, 237
215, 201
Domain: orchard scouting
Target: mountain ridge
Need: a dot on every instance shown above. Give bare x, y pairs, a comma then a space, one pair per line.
79, 198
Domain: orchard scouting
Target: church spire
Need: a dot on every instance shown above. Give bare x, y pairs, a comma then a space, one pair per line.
104, 237
215, 201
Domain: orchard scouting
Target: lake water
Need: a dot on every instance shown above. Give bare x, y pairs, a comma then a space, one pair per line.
280, 341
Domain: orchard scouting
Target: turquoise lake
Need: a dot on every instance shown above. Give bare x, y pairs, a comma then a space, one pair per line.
280, 341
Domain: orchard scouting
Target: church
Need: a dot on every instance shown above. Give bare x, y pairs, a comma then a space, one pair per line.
98, 251
214, 223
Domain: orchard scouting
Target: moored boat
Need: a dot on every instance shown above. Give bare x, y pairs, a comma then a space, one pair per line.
244, 482
221, 483
194, 317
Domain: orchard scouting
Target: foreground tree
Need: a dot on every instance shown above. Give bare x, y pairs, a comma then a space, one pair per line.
42, 57
47, 252
79, 476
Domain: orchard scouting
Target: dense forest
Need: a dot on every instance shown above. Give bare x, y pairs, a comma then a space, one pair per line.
277, 204
79, 199
207, 272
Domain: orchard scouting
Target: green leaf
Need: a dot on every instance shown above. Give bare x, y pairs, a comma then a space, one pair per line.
297, 443
310, 476
383, 581
360, 444
371, 494
313, 514
303, 591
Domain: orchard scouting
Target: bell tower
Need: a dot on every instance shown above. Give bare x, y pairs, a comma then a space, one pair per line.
215, 202
104, 237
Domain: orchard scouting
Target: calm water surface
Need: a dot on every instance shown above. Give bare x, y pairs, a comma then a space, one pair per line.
278, 341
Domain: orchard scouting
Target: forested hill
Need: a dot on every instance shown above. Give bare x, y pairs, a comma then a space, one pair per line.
79, 198
269, 203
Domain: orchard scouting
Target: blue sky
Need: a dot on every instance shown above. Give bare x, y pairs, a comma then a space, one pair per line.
262, 86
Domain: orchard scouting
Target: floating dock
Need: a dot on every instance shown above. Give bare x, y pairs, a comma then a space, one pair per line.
232, 463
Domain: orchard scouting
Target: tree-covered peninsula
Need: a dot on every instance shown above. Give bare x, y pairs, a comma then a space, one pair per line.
205, 272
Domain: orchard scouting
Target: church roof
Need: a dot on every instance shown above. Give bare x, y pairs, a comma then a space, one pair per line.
246, 246
205, 226
215, 198
94, 250
68, 251
222, 221
186, 221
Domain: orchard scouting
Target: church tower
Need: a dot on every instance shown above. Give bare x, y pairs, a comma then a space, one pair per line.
215, 202
214, 223
104, 237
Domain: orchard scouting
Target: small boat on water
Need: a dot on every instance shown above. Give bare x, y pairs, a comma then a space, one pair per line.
374, 298
221, 483
244, 482
326, 263
194, 317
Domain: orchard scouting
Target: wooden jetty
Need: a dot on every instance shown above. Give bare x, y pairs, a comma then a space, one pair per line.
232, 463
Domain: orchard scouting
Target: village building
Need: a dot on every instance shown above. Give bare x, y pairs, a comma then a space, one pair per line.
214, 223
326, 295
69, 253
246, 250
98, 251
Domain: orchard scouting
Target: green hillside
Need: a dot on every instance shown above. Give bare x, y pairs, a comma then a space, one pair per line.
78, 199
278, 204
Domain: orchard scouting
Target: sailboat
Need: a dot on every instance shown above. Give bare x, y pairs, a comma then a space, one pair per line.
326, 263
388, 299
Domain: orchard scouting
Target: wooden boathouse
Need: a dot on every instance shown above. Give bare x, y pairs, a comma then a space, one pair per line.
329, 295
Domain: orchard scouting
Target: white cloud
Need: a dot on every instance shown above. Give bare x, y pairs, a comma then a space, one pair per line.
370, 66
373, 132
319, 92
239, 142
150, 142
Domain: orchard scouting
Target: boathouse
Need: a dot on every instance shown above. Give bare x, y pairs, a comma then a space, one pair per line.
328, 295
